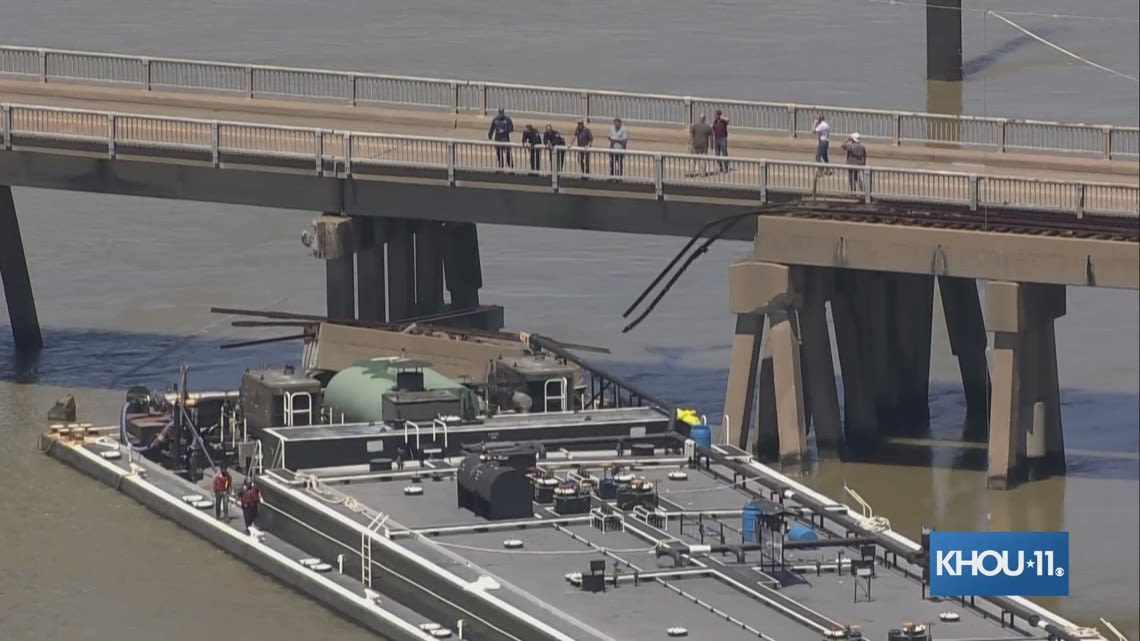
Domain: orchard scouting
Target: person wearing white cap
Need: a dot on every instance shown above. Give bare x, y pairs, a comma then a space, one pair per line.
856, 155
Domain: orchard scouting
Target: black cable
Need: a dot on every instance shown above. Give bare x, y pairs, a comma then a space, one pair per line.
688, 245
732, 221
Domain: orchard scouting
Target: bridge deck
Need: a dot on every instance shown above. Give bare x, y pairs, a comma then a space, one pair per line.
644, 138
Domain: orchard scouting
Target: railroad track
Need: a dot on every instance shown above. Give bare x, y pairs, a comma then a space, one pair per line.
1116, 228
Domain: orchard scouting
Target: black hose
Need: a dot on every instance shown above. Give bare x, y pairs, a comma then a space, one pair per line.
672, 281
688, 245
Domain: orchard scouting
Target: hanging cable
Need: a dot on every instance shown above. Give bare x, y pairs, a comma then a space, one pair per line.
1060, 48
726, 226
692, 241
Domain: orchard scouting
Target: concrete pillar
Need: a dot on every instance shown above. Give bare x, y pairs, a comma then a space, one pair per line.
764, 440
877, 323
401, 271
742, 369
860, 424
820, 397
913, 301
967, 333
429, 268
944, 40
334, 241
17, 282
462, 266
785, 344
1021, 317
371, 285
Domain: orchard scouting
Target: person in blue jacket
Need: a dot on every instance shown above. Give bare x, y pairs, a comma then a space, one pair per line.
500, 131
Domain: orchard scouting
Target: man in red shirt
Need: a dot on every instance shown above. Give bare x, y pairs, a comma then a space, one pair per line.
250, 500
222, 484
720, 137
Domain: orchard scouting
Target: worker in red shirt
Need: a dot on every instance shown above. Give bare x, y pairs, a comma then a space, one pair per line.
250, 500
720, 137
223, 482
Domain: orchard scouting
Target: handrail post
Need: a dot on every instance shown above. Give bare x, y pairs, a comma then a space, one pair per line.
348, 154
1082, 194
764, 182
216, 144
898, 129
688, 111
658, 175
112, 125
319, 149
585, 106
868, 175
146, 73
6, 117
554, 169
792, 129
974, 193
454, 97
43, 65
249, 81
451, 157
1107, 133
483, 97
353, 90
1002, 134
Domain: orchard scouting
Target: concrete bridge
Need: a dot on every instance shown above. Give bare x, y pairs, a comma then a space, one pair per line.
405, 173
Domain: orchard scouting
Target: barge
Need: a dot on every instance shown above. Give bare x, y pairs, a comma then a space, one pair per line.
537, 497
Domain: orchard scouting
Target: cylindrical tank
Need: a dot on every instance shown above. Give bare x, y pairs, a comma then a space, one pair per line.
356, 391
702, 434
500, 491
751, 517
801, 532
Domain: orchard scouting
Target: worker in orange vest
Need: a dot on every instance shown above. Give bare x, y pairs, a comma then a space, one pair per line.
250, 500
222, 484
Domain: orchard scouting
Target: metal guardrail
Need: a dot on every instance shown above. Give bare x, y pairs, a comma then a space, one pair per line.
463, 96
345, 153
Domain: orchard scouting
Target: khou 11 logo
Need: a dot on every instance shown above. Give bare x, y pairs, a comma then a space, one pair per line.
999, 563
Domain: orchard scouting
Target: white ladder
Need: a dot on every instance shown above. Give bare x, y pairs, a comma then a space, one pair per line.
366, 548
293, 409
258, 461
559, 384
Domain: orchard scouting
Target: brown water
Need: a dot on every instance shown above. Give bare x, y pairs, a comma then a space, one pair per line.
124, 285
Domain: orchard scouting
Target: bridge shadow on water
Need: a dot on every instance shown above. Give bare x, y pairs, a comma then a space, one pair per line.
1100, 427
983, 62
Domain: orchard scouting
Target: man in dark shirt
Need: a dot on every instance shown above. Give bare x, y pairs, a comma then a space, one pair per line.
856, 155
500, 132
557, 144
583, 139
700, 139
720, 137
533, 142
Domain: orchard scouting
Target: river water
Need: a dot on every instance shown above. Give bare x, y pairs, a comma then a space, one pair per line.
124, 285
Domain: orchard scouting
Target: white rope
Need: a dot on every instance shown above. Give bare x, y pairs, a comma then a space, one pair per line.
1037, 14
313, 487
1060, 48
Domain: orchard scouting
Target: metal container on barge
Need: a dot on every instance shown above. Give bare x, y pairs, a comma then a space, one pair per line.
557, 503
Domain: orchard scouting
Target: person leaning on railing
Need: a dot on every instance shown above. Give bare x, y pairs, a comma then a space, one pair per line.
583, 139
619, 142
557, 144
856, 155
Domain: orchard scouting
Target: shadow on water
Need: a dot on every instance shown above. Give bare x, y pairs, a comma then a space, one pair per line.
981, 63
1100, 427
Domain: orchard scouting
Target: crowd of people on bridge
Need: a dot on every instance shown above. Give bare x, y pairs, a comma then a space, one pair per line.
704, 136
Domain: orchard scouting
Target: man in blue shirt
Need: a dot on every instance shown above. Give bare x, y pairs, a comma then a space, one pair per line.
500, 131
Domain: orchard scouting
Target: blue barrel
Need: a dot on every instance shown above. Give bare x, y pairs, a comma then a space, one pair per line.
801, 532
752, 512
702, 434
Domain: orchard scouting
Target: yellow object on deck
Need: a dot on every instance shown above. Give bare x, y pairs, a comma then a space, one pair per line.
688, 416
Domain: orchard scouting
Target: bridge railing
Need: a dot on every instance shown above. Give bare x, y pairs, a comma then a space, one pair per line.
665, 175
465, 96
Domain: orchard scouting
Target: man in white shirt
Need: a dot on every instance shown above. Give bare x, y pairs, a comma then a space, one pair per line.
822, 132
619, 140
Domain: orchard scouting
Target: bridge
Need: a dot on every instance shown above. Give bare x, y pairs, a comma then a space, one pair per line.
404, 170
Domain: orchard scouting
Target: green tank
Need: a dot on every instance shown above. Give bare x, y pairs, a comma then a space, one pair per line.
357, 392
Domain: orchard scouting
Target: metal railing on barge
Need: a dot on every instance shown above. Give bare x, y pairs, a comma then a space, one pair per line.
638, 174
480, 97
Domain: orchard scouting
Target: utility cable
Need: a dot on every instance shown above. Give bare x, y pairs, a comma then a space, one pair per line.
726, 225
1060, 48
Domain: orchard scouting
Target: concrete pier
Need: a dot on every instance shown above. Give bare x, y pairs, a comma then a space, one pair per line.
860, 425
462, 267
913, 323
401, 270
335, 243
371, 270
739, 398
429, 267
820, 396
967, 332
944, 40
17, 282
1021, 317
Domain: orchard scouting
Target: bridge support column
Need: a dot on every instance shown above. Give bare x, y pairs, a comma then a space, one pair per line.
429, 268
769, 289
741, 393
17, 282
371, 288
1026, 393
462, 265
820, 397
944, 40
913, 299
860, 425
967, 333
334, 241
401, 271
875, 318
